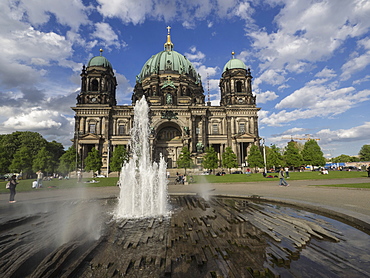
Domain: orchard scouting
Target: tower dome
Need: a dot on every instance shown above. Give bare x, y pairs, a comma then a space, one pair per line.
99, 61
234, 63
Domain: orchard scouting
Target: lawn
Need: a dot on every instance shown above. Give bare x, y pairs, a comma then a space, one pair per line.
26, 185
293, 176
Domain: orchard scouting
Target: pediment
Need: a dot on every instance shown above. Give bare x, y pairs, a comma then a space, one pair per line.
244, 136
89, 136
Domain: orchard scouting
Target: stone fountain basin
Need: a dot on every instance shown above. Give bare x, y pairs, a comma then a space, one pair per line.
219, 237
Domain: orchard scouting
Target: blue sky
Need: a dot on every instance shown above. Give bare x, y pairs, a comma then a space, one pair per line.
310, 60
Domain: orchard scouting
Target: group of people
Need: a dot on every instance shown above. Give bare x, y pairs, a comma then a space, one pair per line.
180, 178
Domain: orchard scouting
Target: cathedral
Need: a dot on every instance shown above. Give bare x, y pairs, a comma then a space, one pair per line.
179, 114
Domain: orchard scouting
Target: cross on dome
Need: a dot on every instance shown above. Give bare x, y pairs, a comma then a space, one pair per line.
168, 46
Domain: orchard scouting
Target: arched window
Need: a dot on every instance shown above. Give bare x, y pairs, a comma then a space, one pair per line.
239, 86
94, 85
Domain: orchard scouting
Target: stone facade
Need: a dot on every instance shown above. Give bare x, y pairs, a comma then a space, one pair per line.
178, 112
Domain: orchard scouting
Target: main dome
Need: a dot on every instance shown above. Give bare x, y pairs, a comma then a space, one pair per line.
168, 61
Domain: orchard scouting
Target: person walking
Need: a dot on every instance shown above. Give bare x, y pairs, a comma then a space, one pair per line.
12, 184
368, 171
282, 182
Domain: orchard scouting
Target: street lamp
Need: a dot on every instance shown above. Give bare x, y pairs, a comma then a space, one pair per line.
77, 133
264, 154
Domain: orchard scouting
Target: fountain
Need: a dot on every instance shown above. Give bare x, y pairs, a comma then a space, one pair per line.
143, 183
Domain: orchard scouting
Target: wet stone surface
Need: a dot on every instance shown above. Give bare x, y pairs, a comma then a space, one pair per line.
221, 237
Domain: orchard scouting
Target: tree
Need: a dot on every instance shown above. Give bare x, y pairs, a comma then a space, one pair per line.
56, 150
342, 158
93, 161
274, 158
365, 153
229, 159
312, 154
120, 156
10, 144
43, 161
184, 160
255, 158
210, 160
67, 162
292, 157
22, 161
5, 160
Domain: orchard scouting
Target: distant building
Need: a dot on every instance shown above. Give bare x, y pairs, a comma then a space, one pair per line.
179, 115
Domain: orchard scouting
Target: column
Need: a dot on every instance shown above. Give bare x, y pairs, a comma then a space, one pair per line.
193, 133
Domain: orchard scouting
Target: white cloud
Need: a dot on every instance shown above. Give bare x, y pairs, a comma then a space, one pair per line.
359, 81
315, 101
67, 12
356, 133
266, 96
293, 131
195, 55
273, 77
105, 32
301, 39
355, 65
244, 11
326, 73
316, 97
36, 119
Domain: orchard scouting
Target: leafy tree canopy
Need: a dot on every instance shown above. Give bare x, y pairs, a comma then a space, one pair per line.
292, 157
120, 156
42, 161
22, 161
312, 154
93, 161
274, 158
68, 161
10, 144
365, 153
255, 158
184, 160
344, 158
229, 159
210, 160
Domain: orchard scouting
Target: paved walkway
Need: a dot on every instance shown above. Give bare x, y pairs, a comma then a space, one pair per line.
354, 203
344, 201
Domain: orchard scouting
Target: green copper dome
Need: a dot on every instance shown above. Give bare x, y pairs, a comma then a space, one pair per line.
99, 61
234, 64
168, 61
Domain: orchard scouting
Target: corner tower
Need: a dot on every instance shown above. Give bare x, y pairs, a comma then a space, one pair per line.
98, 83
236, 84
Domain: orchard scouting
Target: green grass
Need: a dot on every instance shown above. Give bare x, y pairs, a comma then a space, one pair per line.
231, 178
26, 185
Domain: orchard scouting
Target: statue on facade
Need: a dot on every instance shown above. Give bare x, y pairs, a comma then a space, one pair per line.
169, 99
200, 147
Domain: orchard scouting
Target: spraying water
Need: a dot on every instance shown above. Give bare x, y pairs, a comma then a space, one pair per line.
143, 183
